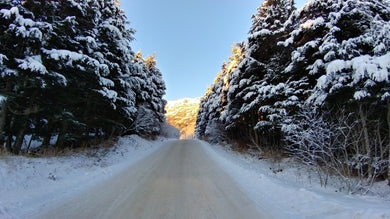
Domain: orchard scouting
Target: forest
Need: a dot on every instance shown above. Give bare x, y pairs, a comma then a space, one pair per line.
310, 83
69, 76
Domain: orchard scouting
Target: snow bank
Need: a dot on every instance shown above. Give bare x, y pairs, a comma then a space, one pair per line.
292, 192
29, 185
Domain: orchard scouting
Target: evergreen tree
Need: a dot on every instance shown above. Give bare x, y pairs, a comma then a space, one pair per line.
150, 103
114, 46
69, 52
209, 124
67, 74
330, 56
344, 53
23, 76
256, 84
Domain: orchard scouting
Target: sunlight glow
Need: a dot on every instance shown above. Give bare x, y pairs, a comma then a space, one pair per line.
235, 59
182, 115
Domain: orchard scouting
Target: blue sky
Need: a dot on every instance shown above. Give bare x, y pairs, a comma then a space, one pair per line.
191, 38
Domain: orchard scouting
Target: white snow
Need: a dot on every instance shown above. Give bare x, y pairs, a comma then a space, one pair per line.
32, 63
375, 68
313, 23
249, 95
282, 190
29, 185
70, 57
110, 94
90, 40
22, 26
260, 33
385, 96
290, 190
367, 69
106, 82
113, 29
336, 66
8, 13
2, 99
60, 78
58, 54
361, 94
2, 58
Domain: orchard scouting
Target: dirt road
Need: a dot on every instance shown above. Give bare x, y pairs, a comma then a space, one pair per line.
177, 181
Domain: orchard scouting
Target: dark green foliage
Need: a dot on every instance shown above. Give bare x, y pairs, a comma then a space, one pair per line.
256, 86
209, 123
67, 74
329, 55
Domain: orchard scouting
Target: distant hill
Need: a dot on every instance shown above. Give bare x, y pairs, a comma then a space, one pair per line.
182, 115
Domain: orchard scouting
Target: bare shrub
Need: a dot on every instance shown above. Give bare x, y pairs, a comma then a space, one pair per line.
338, 146
312, 140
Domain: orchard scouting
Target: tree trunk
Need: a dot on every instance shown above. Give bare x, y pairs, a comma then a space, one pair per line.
46, 141
257, 138
61, 136
8, 143
29, 143
388, 128
5, 129
3, 114
5, 136
60, 139
363, 119
18, 142
2, 121
48, 134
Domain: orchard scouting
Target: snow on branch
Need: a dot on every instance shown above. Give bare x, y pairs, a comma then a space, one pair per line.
32, 63
8, 13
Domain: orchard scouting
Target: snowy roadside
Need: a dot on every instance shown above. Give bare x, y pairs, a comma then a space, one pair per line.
287, 190
28, 185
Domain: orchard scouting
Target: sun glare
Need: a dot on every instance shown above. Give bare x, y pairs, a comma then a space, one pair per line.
182, 115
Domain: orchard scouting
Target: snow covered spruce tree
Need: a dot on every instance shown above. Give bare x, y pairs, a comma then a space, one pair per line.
149, 83
342, 49
68, 54
253, 111
69, 78
208, 122
330, 56
23, 77
113, 50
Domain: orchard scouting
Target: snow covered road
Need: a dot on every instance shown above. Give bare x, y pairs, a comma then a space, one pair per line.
180, 180
165, 178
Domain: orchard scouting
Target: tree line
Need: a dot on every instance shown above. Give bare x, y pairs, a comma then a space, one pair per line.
69, 75
310, 82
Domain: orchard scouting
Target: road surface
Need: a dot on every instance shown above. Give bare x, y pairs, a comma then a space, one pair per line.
177, 181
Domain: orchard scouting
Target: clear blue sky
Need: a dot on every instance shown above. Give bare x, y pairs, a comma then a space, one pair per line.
191, 38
